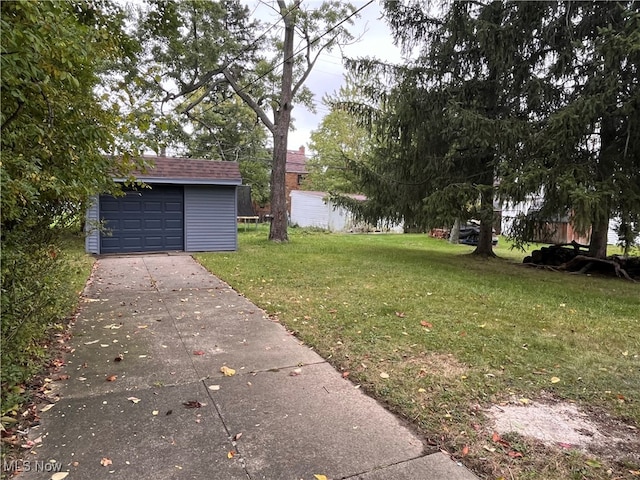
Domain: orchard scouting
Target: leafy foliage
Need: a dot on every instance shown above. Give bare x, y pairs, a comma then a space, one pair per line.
56, 130
446, 121
508, 100
202, 53
584, 154
338, 141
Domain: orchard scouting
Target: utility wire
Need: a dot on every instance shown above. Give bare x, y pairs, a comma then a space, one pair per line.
244, 88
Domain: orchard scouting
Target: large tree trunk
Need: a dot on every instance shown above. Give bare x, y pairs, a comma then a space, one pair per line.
278, 229
603, 174
282, 121
485, 245
598, 243
454, 236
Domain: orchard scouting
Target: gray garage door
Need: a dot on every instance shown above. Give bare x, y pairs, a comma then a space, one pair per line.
146, 220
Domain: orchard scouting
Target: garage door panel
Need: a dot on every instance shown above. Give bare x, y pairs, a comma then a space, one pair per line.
131, 206
153, 207
129, 224
109, 206
173, 224
143, 221
153, 224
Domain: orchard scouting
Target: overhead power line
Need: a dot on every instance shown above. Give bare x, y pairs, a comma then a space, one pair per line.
253, 82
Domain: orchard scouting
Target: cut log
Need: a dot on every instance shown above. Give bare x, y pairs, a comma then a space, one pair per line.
584, 263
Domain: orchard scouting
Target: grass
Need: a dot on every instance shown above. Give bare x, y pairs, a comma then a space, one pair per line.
452, 332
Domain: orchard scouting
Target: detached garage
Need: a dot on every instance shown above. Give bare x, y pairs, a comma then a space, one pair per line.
187, 205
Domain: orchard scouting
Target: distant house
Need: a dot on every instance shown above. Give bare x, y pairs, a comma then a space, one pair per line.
189, 205
295, 173
315, 209
556, 230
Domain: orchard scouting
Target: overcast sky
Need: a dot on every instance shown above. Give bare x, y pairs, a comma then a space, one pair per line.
327, 75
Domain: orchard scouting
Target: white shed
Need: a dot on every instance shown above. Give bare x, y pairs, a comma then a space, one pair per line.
315, 209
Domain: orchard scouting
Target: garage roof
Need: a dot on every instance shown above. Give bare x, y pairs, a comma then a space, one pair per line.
189, 171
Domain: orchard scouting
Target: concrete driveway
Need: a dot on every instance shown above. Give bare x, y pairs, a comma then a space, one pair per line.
147, 397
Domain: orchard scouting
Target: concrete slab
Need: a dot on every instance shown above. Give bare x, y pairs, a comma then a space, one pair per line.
298, 423
436, 466
174, 325
183, 444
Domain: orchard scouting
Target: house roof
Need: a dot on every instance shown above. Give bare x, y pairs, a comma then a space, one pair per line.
296, 161
189, 171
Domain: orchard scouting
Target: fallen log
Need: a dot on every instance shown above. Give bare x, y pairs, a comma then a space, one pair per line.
584, 263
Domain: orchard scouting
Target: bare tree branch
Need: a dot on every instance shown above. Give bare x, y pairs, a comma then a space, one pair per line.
13, 116
248, 99
311, 63
200, 98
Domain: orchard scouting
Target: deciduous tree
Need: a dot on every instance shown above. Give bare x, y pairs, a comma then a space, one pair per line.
205, 49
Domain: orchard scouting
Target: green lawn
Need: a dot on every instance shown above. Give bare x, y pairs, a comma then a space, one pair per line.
450, 330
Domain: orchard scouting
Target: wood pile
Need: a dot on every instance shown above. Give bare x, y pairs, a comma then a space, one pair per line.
573, 257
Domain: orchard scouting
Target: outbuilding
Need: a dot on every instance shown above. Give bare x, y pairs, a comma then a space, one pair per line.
184, 205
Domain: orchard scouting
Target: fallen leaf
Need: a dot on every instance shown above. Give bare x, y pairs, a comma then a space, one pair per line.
593, 463
193, 404
514, 454
237, 436
47, 407
105, 462
134, 399
198, 352
59, 475
555, 379
119, 358
568, 446
465, 450
296, 372
112, 378
345, 374
143, 326
228, 372
231, 454
426, 324
155, 413
320, 477
421, 390
400, 314
61, 377
92, 342
384, 375
214, 387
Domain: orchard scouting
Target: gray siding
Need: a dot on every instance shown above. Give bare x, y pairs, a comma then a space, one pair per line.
92, 232
210, 222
